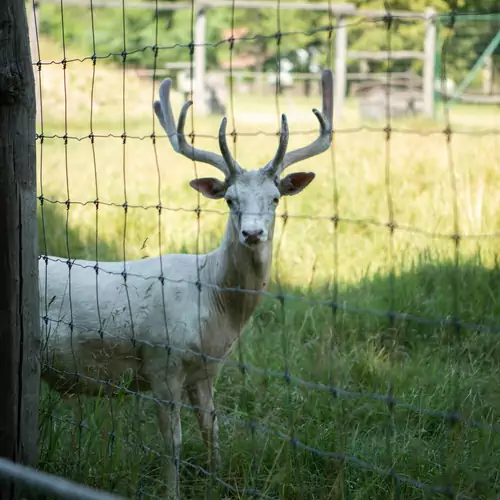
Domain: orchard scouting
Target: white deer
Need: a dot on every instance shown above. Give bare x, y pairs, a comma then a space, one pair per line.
166, 323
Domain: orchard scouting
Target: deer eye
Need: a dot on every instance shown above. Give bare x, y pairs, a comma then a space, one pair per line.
276, 200
229, 202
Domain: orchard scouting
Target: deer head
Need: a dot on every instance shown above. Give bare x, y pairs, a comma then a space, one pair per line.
252, 196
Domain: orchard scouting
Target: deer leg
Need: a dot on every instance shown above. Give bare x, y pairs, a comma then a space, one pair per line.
169, 394
201, 397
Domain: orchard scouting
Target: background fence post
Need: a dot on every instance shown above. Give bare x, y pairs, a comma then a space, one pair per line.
19, 318
429, 73
340, 65
200, 106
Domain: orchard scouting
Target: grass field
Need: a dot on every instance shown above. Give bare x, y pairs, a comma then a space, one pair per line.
339, 281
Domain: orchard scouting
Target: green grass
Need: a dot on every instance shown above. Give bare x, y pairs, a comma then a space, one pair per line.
355, 266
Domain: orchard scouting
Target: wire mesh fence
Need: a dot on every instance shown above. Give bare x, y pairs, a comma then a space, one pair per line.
369, 367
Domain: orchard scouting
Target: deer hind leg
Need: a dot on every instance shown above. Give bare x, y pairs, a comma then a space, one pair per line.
201, 397
169, 394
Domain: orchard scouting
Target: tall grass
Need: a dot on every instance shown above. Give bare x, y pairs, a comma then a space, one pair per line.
347, 283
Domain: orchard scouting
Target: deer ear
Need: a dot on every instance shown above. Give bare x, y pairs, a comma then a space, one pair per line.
295, 183
209, 187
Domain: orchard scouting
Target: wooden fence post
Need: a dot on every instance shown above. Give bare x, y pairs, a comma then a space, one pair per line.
32, 7
19, 317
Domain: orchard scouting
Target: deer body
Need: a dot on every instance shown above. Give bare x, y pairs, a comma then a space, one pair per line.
139, 315
164, 324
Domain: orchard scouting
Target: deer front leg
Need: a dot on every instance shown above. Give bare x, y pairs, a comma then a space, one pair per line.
169, 393
201, 397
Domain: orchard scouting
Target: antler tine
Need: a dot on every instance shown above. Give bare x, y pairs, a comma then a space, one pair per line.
325, 119
234, 168
163, 111
273, 167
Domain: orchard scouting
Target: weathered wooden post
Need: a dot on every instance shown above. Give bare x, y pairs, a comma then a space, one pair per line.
33, 32
19, 317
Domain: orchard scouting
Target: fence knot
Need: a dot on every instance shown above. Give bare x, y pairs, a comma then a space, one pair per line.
447, 132
388, 19
391, 225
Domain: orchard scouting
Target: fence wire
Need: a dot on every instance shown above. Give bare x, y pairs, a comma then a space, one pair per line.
95, 443
49, 484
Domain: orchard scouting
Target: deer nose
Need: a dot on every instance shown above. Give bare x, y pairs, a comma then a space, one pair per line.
252, 236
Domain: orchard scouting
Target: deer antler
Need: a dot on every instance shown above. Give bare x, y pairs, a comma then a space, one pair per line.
274, 165
281, 160
163, 109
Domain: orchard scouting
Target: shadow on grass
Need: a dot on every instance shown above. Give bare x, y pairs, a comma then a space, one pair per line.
59, 236
347, 356
384, 336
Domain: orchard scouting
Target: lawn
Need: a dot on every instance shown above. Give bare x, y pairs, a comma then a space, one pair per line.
371, 369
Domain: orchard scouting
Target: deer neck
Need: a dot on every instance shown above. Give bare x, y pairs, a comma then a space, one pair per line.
244, 270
